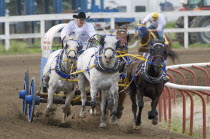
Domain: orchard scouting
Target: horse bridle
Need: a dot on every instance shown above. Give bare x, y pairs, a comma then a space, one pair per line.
104, 49
67, 53
151, 49
142, 29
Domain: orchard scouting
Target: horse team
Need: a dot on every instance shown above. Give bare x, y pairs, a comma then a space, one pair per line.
100, 68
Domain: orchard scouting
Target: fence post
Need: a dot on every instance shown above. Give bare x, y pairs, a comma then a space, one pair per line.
42, 30
186, 35
112, 23
7, 36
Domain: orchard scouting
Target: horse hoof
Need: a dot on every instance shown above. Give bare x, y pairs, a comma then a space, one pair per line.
150, 115
93, 112
103, 125
113, 120
82, 114
155, 121
119, 112
136, 127
93, 104
64, 125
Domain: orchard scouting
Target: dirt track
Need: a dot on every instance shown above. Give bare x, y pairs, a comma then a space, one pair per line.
13, 125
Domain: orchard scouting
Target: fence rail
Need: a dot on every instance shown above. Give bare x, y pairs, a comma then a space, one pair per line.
170, 90
43, 18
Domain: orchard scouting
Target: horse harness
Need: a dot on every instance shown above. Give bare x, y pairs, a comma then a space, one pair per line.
142, 67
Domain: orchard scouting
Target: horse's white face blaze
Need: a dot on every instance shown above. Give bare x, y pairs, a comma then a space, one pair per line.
158, 53
72, 47
109, 47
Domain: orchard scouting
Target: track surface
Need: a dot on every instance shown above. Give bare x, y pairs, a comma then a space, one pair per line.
14, 125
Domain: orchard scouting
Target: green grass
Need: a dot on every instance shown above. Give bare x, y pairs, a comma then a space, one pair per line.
170, 25
176, 125
199, 45
177, 45
21, 47
195, 45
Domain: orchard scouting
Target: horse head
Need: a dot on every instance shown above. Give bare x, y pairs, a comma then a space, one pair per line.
109, 44
71, 47
123, 37
142, 35
141, 31
158, 55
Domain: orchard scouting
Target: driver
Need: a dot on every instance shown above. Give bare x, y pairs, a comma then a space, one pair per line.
158, 23
86, 30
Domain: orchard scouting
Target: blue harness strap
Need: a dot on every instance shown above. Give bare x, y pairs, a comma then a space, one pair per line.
58, 69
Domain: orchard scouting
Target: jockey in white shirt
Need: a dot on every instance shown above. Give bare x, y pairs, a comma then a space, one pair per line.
157, 23
86, 30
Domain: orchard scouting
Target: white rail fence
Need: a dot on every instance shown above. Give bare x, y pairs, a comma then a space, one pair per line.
188, 87
43, 18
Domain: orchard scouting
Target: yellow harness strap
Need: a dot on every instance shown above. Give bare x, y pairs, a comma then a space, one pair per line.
153, 35
166, 40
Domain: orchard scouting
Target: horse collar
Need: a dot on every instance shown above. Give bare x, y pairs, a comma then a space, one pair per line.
101, 67
59, 70
147, 77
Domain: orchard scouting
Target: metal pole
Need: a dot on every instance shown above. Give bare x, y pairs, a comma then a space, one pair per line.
84, 6
57, 6
30, 10
2, 8
2, 13
102, 5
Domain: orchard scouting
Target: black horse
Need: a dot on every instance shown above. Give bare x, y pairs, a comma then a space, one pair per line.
147, 79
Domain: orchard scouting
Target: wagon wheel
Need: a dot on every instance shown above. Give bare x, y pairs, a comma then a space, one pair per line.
31, 101
23, 93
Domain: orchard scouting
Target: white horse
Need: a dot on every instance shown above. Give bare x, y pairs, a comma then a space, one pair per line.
59, 65
103, 77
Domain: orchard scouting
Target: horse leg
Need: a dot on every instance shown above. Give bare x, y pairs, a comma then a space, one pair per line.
120, 107
133, 100
49, 111
141, 105
81, 81
114, 110
103, 109
153, 113
66, 108
93, 92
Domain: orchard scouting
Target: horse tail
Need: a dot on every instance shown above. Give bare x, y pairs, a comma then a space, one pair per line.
172, 54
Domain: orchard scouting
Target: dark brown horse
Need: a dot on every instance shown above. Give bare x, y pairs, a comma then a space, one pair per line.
146, 78
123, 37
144, 37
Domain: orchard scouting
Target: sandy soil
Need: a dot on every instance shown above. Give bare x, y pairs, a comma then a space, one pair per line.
14, 126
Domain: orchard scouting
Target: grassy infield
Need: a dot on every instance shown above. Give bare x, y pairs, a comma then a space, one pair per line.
20, 47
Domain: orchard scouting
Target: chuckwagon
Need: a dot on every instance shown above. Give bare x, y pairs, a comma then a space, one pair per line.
31, 98
28, 95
